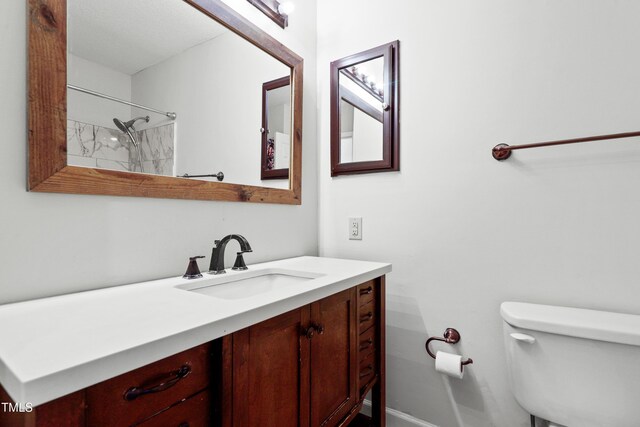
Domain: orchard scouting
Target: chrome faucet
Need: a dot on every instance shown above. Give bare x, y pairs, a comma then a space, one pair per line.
217, 255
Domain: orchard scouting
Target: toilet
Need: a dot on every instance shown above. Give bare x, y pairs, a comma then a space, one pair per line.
573, 367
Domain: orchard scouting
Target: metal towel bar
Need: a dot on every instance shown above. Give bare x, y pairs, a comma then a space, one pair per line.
503, 151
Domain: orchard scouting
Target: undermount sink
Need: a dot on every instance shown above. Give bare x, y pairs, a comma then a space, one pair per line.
250, 284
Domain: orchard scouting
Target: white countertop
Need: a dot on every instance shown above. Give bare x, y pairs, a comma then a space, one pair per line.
54, 346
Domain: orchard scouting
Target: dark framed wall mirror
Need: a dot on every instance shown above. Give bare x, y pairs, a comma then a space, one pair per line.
365, 134
276, 128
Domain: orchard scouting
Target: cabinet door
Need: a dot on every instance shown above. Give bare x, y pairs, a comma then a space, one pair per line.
271, 372
333, 358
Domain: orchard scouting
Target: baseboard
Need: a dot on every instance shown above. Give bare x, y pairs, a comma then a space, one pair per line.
397, 418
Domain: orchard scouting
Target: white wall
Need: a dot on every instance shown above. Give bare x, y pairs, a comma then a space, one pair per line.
53, 243
367, 137
463, 231
216, 90
90, 109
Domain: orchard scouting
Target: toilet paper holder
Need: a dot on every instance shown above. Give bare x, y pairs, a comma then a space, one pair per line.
451, 336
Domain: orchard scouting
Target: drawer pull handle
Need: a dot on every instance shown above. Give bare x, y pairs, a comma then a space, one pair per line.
366, 291
366, 344
367, 371
135, 392
366, 317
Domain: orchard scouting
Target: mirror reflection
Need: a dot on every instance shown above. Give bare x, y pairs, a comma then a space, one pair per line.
157, 87
361, 112
276, 125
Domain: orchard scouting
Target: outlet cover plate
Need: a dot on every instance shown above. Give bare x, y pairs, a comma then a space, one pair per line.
355, 228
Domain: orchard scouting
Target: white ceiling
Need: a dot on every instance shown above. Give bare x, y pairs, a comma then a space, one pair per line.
131, 35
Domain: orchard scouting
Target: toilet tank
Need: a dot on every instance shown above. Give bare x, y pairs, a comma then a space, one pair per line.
572, 366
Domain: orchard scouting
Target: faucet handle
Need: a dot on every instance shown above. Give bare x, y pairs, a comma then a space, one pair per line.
193, 271
239, 264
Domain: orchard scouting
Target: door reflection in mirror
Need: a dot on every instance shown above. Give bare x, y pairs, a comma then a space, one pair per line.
276, 129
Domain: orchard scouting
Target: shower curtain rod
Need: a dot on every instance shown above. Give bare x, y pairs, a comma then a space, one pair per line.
172, 116
503, 151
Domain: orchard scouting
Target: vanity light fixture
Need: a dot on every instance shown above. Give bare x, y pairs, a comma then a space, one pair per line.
278, 12
363, 80
286, 8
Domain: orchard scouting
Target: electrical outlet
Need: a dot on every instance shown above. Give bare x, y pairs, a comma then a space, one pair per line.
355, 228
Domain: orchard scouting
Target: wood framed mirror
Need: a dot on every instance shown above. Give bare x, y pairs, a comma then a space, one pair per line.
142, 149
276, 120
365, 131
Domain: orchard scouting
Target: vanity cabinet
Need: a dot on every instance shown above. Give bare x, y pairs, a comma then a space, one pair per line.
153, 393
333, 373
176, 391
266, 368
309, 367
301, 364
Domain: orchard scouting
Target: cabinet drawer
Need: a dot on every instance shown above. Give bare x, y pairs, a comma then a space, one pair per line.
193, 412
366, 318
137, 395
366, 370
366, 292
366, 343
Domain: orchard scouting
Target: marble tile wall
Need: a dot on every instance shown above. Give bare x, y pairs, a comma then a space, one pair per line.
157, 150
99, 147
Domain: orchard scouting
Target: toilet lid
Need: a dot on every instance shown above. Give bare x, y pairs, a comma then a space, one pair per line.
575, 322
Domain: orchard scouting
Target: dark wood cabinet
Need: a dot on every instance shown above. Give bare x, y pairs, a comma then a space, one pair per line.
138, 395
269, 372
179, 390
309, 367
301, 365
193, 412
371, 347
333, 358
65, 411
